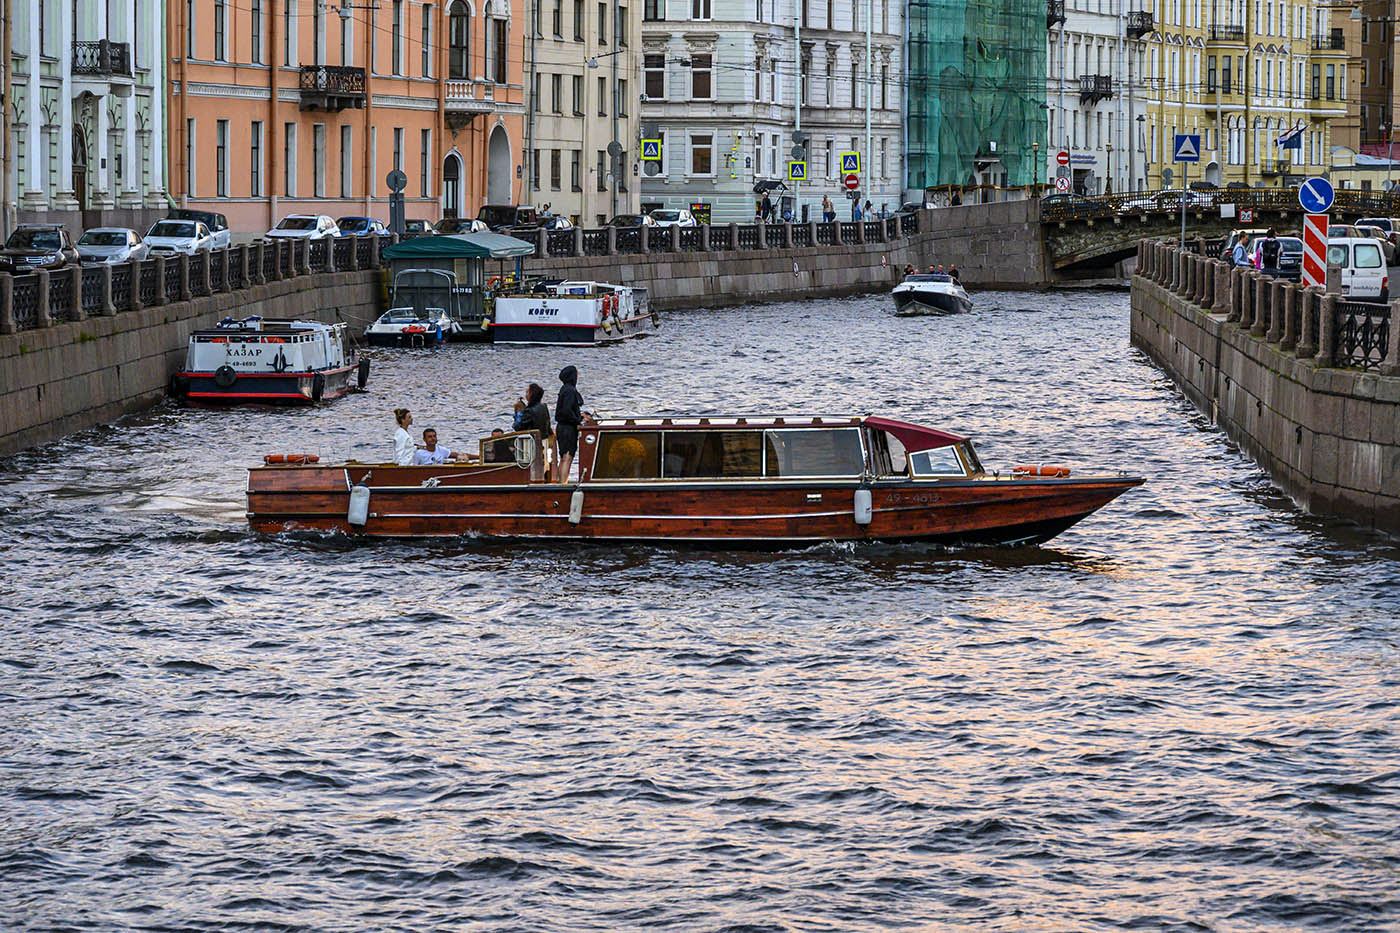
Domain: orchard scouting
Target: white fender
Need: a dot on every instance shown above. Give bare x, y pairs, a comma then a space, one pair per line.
576, 507
864, 507
358, 512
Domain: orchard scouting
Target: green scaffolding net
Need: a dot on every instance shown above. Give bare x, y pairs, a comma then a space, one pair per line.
976, 91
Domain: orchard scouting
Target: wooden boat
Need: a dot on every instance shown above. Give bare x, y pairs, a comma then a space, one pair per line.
728, 481
576, 313
933, 293
269, 362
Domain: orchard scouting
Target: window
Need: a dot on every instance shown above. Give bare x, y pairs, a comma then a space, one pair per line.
289, 159
221, 158
628, 455
576, 170
255, 159
556, 19
427, 37
578, 20
831, 14
190, 172
498, 51
535, 171
700, 77
459, 31
602, 97
701, 155
884, 153
758, 78
621, 166
813, 453
709, 454
941, 461
556, 89
577, 84
1316, 81
884, 87
556, 169
1331, 82
773, 81
347, 165
220, 31
602, 24
621, 98
190, 51
654, 70
318, 159
653, 10
424, 172
1225, 74
255, 24
289, 32
700, 9
830, 86
802, 77
396, 39
1210, 74
602, 170
398, 148
620, 27
758, 11
1367, 256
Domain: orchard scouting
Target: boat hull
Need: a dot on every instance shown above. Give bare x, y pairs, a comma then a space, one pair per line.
574, 334
286, 388
727, 513
402, 340
919, 303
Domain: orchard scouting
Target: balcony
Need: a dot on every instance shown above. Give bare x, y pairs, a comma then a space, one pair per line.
1140, 24
1271, 168
1054, 12
1334, 42
466, 100
1094, 88
332, 88
1233, 35
101, 59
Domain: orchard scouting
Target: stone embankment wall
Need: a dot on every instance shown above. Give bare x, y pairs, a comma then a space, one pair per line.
1306, 383
66, 375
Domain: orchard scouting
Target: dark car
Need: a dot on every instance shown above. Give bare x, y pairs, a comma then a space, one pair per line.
37, 246
1290, 258
504, 218
217, 224
1059, 203
413, 228
453, 225
361, 226
632, 220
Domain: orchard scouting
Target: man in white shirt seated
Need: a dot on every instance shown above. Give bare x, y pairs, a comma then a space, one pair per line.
431, 452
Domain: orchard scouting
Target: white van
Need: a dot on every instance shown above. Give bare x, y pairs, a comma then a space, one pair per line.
1364, 272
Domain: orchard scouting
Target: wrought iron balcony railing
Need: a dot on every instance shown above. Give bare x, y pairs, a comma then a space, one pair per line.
1140, 24
1094, 88
102, 58
332, 87
1333, 42
1227, 33
1054, 12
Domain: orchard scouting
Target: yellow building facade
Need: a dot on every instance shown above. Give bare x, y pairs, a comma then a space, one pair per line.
1241, 73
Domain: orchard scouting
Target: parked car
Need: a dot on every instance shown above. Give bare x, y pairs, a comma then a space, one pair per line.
1364, 272
170, 237
1377, 233
665, 217
111, 244
1168, 199
632, 220
450, 225
217, 224
1391, 226
413, 228
555, 222
1290, 257
1067, 201
305, 227
361, 226
37, 246
503, 218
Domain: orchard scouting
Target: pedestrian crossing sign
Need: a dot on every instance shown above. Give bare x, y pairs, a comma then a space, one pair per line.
651, 150
850, 162
797, 171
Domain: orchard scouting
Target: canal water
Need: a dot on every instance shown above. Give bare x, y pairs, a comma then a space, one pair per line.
1182, 714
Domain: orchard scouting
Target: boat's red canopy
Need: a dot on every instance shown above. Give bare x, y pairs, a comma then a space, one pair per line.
914, 437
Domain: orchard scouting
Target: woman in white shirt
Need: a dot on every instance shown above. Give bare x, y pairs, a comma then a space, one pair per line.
403, 441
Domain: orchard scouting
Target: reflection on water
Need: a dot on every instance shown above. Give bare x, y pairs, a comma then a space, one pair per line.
1181, 714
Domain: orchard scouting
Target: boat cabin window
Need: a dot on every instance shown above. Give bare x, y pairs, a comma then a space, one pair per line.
628, 455
940, 461
712, 454
820, 452
887, 455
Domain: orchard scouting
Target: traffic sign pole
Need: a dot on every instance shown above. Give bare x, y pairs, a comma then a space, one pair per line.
1184, 167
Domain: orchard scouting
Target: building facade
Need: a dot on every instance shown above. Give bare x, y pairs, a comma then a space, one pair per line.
1094, 93
298, 106
1242, 73
584, 65
86, 117
728, 85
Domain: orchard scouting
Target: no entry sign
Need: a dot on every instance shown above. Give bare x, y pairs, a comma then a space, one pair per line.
851, 181
1315, 249
1062, 157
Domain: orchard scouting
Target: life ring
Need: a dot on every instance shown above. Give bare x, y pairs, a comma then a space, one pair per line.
290, 458
493, 281
225, 377
362, 374
318, 387
1039, 470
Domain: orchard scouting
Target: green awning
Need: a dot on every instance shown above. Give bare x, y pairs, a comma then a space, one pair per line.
461, 246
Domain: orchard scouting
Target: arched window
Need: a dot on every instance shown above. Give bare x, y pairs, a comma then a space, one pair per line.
459, 32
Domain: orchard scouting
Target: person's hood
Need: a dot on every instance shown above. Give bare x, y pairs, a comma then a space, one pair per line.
569, 375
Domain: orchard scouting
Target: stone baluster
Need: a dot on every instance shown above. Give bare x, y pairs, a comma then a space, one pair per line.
1390, 365
1246, 299
1139, 265
42, 317
1277, 311
1326, 330
541, 242
762, 231
1168, 267
185, 293
354, 264
1207, 283
578, 242
1289, 338
612, 240
160, 298
1221, 289
1261, 305
206, 264
1308, 301
787, 235
674, 232
105, 306
303, 255
75, 293
811, 233
1154, 262
133, 281
1198, 273
704, 238
7, 303
643, 239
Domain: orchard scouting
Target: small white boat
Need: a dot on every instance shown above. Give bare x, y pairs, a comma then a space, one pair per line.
575, 313
932, 293
405, 327
269, 362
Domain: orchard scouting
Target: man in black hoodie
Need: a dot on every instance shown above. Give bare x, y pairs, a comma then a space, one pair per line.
568, 415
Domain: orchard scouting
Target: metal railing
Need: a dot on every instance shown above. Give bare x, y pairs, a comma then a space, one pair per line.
92, 299
1133, 203
343, 80
61, 295
1361, 333
121, 287
1333, 42
1227, 34
1140, 24
102, 58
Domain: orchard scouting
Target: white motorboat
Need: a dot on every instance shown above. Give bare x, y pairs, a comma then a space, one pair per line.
932, 293
405, 327
269, 362
577, 313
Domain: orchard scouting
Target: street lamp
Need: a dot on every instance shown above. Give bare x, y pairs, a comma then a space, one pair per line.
1108, 172
1035, 161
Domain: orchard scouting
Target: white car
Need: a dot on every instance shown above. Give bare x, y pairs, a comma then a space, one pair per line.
670, 218
305, 227
111, 244
169, 237
1364, 272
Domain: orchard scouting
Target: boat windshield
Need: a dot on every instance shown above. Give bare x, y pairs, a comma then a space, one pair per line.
399, 316
940, 461
928, 277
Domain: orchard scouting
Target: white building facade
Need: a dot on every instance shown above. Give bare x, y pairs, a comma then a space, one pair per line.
721, 90
87, 140
1095, 93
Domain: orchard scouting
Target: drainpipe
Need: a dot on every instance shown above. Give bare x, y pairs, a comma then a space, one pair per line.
618, 166
370, 140
527, 162
6, 159
272, 161
797, 97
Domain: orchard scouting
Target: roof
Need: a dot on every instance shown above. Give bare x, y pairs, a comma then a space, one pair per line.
461, 246
914, 437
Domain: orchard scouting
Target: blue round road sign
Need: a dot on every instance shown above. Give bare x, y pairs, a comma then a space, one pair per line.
1316, 195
